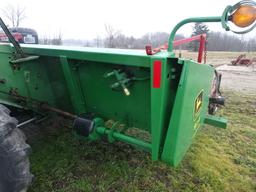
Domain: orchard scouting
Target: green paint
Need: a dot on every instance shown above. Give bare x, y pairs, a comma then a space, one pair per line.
183, 124
124, 138
216, 121
74, 89
186, 21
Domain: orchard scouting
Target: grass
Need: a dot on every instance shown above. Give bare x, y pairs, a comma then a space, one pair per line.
219, 160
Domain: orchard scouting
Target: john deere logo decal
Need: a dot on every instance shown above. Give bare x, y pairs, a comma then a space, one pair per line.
197, 109
198, 104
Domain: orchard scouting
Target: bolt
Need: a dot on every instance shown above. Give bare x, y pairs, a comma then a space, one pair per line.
126, 91
2, 81
173, 70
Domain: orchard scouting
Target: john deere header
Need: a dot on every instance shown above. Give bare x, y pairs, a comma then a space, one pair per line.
155, 91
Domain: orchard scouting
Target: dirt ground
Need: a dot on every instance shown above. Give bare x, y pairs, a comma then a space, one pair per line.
237, 78
216, 58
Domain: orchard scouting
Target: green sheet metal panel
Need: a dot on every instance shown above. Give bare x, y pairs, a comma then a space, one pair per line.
57, 83
29, 80
162, 99
133, 110
105, 55
43, 80
189, 110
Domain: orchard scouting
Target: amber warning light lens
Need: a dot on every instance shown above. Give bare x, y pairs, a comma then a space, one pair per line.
244, 16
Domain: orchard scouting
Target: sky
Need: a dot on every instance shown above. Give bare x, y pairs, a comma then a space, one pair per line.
85, 19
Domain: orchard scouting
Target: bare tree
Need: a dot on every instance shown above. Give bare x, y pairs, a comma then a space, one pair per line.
97, 41
111, 36
45, 40
57, 40
48, 40
15, 14
87, 44
218, 41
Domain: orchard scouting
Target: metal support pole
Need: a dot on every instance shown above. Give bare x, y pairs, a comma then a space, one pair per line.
201, 48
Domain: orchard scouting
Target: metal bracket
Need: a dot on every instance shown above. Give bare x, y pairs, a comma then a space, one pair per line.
24, 59
216, 121
74, 88
122, 80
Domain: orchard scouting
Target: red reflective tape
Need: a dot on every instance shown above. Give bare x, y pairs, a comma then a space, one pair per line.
157, 71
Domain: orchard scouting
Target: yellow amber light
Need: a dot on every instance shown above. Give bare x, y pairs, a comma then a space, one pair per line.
244, 16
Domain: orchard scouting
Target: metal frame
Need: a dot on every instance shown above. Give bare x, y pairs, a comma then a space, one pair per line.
202, 42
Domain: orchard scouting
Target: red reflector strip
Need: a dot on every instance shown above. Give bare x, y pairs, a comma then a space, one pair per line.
157, 71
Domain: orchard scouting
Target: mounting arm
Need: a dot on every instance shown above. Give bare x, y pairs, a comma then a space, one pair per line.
11, 38
189, 20
242, 14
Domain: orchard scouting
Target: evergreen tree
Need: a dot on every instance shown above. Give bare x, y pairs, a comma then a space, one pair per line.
199, 28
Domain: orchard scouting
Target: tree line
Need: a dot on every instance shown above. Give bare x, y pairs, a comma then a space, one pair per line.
223, 42
216, 41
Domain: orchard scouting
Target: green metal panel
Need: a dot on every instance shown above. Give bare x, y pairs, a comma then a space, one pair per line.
81, 81
115, 56
185, 121
101, 100
57, 83
29, 79
162, 101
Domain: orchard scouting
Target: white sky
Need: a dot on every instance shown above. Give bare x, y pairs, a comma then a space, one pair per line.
85, 19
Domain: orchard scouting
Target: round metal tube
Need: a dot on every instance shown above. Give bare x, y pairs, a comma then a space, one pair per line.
63, 113
26, 122
189, 20
124, 138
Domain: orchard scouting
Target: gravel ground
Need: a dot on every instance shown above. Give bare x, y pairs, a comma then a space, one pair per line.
238, 78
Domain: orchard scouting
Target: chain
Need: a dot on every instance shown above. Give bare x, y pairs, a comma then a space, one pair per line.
205, 51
